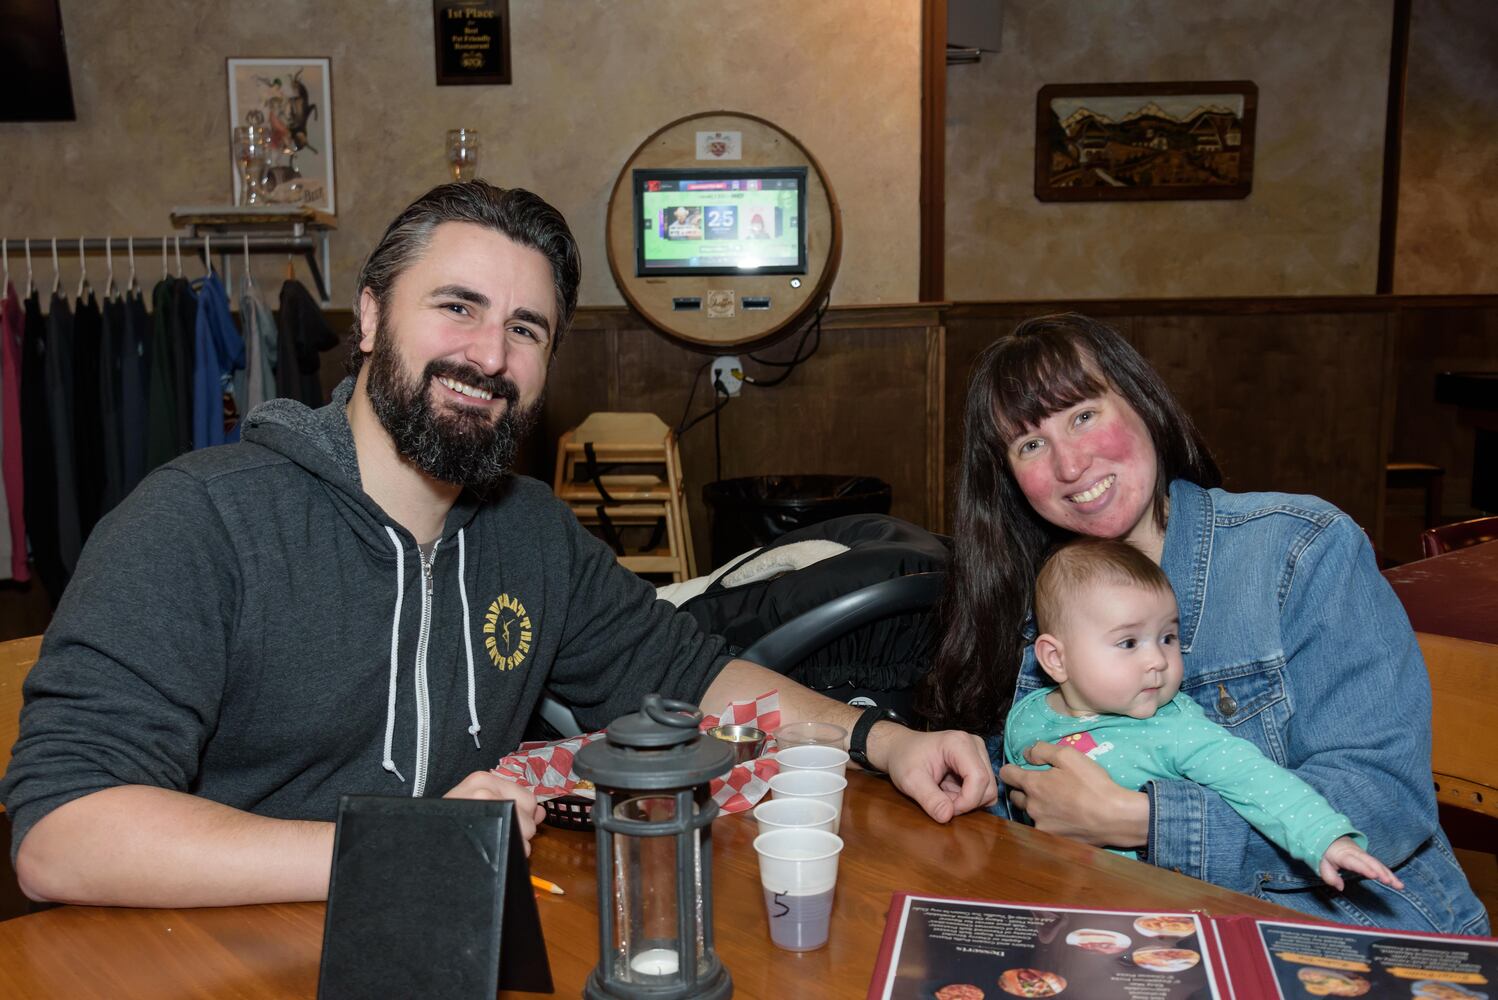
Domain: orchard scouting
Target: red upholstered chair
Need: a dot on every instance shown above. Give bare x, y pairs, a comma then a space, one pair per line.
1448, 537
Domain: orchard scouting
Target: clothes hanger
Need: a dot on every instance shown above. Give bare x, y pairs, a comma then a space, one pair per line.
111, 290
249, 281
83, 283
134, 287
30, 280
178, 241
207, 254
290, 268
56, 270
164, 272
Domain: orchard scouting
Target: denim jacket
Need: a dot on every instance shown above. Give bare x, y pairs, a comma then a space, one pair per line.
1294, 641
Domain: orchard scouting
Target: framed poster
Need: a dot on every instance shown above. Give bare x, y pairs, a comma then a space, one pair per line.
472, 41
1145, 141
293, 97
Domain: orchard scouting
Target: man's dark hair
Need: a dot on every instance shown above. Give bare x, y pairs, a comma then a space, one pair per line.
522, 216
1044, 366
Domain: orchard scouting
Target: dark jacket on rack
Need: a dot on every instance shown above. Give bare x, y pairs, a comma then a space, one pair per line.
107, 370
36, 452
304, 335
59, 389
88, 424
135, 373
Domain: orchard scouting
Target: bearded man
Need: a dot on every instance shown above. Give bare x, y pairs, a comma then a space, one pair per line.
362, 599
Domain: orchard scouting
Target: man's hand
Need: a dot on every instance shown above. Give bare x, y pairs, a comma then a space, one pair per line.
488, 785
947, 773
1076, 798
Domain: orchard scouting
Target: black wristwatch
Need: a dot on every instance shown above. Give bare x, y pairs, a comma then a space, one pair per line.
858, 742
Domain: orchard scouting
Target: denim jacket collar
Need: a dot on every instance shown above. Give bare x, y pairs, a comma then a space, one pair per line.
1187, 555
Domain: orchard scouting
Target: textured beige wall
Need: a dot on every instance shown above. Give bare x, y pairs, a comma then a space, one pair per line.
1448, 213
591, 79
1309, 227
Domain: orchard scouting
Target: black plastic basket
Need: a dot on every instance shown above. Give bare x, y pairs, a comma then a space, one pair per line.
569, 812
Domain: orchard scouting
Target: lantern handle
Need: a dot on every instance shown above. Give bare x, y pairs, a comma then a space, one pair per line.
670, 712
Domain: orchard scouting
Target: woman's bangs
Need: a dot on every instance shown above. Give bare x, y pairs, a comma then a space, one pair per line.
1041, 377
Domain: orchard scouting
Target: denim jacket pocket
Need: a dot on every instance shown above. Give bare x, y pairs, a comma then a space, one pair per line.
1249, 700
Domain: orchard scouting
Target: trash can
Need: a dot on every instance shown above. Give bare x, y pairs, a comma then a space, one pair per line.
755, 510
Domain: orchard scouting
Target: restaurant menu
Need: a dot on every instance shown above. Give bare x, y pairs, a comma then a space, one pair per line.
941, 948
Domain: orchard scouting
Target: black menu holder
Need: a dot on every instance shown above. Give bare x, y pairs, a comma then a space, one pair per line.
430, 898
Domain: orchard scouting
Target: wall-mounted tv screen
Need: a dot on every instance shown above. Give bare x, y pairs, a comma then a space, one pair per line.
710, 220
34, 84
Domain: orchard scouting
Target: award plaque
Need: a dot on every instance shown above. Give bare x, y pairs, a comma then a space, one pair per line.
473, 41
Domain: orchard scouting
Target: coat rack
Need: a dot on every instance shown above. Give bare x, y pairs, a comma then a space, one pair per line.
229, 231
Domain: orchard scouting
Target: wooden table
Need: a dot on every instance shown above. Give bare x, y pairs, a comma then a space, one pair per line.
273, 951
1452, 601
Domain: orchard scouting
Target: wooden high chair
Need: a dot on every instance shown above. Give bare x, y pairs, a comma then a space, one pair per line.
624, 470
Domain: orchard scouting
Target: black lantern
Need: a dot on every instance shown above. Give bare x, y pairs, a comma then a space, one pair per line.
654, 819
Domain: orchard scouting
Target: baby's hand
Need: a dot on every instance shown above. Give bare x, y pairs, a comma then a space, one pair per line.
1343, 853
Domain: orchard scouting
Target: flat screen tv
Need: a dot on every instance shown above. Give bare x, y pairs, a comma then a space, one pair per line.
34, 84
712, 220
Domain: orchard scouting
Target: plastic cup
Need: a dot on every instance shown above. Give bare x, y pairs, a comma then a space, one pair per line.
798, 873
817, 785
798, 734
813, 757
786, 814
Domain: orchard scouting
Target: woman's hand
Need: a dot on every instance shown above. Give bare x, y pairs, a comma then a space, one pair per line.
1075, 798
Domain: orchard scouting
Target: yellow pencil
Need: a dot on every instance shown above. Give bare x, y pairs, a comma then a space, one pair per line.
551, 887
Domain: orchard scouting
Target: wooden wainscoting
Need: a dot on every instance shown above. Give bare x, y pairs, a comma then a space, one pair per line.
868, 403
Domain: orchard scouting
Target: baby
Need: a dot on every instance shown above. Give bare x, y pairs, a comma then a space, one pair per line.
1108, 623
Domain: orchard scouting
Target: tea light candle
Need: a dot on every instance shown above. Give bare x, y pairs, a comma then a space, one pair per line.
656, 962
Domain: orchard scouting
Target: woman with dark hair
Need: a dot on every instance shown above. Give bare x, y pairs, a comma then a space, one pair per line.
1290, 636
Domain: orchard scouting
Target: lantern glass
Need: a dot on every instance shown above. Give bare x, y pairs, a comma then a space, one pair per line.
647, 920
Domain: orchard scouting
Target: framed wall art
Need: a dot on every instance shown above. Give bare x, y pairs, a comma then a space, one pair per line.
1145, 141
293, 98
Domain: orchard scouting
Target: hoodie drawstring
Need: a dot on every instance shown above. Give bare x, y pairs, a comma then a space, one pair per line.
473, 712
400, 594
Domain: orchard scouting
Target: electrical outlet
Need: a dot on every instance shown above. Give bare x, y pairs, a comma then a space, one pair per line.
728, 370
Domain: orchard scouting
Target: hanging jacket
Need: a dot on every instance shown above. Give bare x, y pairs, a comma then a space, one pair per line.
12, 353
88, 424
182, 327
59, 389
304, 334
135, 373
38, 458
107, 367
218, 352
259, 328
251, 627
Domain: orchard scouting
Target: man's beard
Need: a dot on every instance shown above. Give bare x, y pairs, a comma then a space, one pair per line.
466, 446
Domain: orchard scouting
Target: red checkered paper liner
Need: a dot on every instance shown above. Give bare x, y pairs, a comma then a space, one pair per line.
547, 767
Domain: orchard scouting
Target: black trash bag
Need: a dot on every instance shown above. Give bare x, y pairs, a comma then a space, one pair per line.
755, 510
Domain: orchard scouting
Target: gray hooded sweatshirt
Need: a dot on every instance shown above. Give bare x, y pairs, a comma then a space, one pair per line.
251, 627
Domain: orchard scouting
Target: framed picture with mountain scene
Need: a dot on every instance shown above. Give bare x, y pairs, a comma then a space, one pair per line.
1144, 141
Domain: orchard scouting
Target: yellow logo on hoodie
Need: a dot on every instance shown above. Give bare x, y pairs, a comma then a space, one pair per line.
507, 632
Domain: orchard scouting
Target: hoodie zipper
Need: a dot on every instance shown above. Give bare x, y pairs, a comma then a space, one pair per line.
423, 697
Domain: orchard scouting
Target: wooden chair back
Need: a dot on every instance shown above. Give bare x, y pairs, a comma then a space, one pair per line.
1450, 537
1464, 691
16, 658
